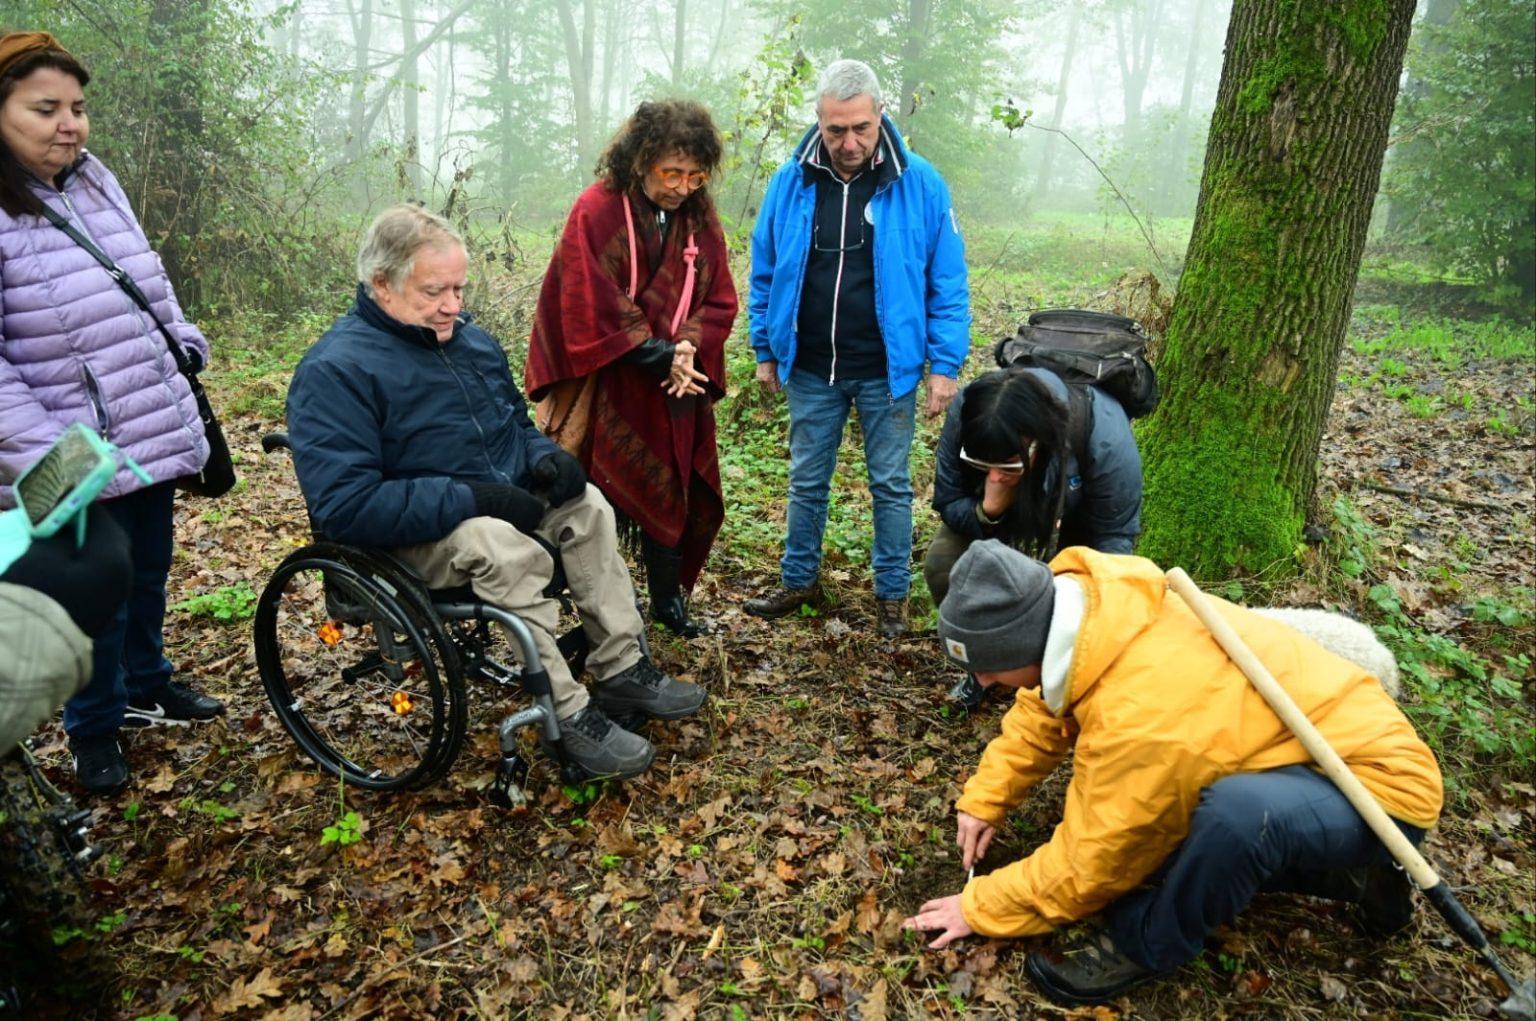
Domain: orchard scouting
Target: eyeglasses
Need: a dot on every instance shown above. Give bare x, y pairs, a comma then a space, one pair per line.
672, 178
1006, 467
816, 239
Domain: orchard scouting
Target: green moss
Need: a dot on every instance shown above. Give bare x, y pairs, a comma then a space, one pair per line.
1362, 23
1213, 500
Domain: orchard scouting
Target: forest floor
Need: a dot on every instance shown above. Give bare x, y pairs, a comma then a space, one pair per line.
762, 867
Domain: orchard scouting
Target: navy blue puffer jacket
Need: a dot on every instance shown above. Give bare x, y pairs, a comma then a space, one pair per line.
388, 425
1103, 492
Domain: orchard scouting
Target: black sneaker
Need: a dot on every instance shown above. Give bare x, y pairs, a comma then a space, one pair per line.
176, 704
1090, 972
602, 747
1386, 904
645, 689
99, 764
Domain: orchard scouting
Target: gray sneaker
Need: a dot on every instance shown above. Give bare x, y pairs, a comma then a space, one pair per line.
602, 747
644, 689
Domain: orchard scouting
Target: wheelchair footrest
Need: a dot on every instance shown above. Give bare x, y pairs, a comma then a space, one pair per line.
511, 777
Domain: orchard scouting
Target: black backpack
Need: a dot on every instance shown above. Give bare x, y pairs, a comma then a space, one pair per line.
1097, 348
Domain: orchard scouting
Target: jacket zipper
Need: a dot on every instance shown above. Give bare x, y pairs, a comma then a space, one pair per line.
99, 406
485, 447
837, 283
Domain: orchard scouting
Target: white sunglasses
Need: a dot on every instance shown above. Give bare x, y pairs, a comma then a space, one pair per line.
1008, 467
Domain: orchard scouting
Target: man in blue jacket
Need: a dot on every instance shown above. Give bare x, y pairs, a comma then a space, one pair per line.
858, 284
408, 433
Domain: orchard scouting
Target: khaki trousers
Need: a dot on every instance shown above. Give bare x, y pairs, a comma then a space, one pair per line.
508, 569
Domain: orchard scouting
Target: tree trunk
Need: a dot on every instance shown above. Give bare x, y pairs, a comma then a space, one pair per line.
909, 98
1135, 54
610, 45
362, 30
579, 62
679, 27
1248, 367
410, 112
172, 211
1048, 159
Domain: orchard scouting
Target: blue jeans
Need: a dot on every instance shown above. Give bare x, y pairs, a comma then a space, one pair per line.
1275, 832
818, 411
129, 653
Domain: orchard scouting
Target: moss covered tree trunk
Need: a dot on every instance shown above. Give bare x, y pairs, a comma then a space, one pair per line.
1248, 368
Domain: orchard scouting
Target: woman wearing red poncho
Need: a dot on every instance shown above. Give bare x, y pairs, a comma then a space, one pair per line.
627, 355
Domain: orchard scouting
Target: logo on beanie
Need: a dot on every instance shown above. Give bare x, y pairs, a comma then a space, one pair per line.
956, 650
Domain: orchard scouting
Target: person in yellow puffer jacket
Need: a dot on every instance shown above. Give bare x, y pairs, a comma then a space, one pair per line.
1188, 794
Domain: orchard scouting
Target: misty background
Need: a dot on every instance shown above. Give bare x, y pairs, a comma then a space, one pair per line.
256, 138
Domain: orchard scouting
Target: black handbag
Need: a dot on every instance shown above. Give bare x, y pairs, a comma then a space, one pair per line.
217, 476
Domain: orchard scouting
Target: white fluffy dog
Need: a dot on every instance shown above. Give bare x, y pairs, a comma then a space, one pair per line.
1344, 637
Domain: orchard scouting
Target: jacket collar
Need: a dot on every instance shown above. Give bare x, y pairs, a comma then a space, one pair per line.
368, 310
890, 160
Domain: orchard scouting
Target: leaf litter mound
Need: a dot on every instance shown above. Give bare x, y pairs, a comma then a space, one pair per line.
762, 867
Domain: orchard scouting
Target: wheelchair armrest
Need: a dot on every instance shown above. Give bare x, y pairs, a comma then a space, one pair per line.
275, 441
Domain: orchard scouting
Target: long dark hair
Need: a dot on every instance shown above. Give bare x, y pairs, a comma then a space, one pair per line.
654, 131
1003, 412
16, 197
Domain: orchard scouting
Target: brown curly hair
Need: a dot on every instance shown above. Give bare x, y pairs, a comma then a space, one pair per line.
654, 131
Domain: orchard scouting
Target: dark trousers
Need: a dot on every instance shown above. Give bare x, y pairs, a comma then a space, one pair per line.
1280, 831
129, 656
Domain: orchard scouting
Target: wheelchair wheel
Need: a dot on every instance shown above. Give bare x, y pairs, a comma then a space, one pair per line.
359, 669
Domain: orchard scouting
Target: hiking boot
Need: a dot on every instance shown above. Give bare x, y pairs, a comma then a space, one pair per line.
1093, 971
644, 689
968, 693
175, 705
602, 747
1386, 904
892, 614
99, 764
672, 614
783, 600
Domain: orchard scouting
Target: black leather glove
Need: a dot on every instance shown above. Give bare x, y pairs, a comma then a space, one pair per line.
512, 504
91, 581
559, 478
654, 356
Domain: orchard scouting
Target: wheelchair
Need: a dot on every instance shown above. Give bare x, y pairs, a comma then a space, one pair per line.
367, 669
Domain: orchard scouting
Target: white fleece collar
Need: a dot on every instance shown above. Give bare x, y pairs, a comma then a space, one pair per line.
1066, 619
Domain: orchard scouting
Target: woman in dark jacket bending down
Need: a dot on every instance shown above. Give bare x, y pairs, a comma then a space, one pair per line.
1007, 461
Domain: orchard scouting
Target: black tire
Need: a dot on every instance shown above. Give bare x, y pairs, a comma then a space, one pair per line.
359, 669
47, 922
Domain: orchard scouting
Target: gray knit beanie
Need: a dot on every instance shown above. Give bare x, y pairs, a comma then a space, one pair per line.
998, 611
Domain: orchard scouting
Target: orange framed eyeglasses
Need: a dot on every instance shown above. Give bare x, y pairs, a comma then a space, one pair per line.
672, 177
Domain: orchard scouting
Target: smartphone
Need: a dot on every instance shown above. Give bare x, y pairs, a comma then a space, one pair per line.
61, 483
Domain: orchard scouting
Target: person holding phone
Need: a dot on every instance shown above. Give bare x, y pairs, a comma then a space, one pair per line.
74, 348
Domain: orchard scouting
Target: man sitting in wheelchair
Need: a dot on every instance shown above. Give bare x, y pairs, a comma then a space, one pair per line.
408, 433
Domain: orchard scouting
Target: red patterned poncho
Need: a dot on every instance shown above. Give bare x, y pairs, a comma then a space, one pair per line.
652, 455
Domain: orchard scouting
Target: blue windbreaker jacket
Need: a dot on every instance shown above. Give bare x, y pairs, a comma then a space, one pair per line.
387, 425
921, 298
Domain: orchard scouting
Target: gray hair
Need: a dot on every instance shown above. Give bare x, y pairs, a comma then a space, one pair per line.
844, 79
393, 239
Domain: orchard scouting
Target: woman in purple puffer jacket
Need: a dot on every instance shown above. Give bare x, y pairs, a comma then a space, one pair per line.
75, 348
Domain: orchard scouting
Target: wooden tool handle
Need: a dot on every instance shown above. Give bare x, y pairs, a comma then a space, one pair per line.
1317, 746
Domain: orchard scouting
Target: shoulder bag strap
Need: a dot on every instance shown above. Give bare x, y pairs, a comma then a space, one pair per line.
183, 363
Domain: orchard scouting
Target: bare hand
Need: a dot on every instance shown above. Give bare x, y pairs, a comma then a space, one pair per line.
943, 914
998, 494
768, 376
683, 379
941, 390
974, 836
